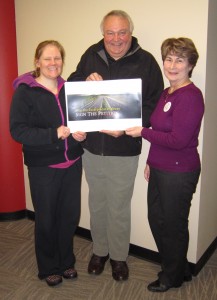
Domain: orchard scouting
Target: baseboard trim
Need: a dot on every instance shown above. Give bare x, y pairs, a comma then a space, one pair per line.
30, 215
11, 216
134, 250
84, 233
205, 257
154, 256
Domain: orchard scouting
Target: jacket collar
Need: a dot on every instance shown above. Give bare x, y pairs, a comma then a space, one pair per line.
100, 49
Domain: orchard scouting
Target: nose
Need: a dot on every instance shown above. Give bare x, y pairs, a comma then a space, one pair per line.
172, 64
116, 36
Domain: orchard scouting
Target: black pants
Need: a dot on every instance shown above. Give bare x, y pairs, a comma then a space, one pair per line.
56, 195
169, 201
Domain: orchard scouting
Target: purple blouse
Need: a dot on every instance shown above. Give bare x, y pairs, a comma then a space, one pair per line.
176, 123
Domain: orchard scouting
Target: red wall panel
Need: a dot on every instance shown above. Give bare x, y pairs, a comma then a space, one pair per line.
12, 193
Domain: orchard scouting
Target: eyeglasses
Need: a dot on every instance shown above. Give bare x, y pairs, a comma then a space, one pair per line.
121, 33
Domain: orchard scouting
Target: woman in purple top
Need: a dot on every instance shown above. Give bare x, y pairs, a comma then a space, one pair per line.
173, 164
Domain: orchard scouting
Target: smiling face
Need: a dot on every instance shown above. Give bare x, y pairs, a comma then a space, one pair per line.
176, 69
117, 36
50, 62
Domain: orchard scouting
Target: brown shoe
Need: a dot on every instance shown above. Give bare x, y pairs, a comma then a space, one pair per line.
70, 274
97, 264
53, 280
120, 270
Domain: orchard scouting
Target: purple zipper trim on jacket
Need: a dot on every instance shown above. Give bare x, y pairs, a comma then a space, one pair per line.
62, 117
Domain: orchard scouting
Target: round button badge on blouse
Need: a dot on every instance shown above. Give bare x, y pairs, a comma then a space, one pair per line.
167, 106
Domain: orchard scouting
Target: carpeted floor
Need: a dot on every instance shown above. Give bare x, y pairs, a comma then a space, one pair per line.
18, 274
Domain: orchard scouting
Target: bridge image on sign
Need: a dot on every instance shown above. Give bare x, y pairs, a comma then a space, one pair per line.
104, 106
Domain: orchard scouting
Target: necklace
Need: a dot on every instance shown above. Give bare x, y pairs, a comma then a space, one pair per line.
166, 96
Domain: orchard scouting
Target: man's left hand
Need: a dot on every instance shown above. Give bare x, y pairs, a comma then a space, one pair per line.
114, 133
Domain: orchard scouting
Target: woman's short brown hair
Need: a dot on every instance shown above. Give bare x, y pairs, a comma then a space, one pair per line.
182, 47
39, 50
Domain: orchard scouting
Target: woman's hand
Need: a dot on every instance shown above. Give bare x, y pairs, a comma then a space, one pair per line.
134, 131
63, 132
79, 136
147, 173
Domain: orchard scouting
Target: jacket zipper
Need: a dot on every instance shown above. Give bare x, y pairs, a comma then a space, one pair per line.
62, 117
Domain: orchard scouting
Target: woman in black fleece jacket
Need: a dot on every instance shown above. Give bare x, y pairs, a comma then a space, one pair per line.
53, 158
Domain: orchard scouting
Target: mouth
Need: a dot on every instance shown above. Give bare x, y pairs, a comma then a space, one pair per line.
116, 44
172, 73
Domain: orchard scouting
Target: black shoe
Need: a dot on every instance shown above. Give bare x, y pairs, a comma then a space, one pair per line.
70, 274
53, 280
157, 286
120, 270
97, 264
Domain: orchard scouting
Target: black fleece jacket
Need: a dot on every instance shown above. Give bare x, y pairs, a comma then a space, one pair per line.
137, 63
34, 118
